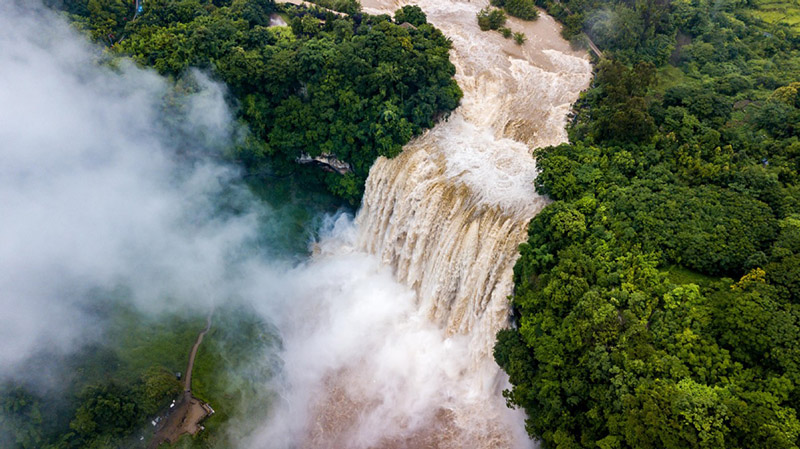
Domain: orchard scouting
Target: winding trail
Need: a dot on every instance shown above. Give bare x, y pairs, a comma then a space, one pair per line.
184, 415
187, 386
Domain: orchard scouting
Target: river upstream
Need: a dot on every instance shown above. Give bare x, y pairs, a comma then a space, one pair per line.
395, 315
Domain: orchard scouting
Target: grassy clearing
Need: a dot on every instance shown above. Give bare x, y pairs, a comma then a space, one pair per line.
681, 276
142, 342
232, 369
133, 342
669, 76
785, 12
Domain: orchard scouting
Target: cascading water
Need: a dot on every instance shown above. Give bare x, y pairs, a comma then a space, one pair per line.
406, 300
448, 214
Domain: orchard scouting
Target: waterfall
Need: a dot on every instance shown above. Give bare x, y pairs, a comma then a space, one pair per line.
398, 309
448, 214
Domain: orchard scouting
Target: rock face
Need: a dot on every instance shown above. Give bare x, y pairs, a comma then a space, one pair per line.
328, 162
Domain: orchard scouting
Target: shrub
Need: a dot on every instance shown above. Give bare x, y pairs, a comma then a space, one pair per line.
523, 9
412, 14
491, 19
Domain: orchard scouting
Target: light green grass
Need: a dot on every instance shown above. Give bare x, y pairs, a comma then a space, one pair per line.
233, 367
681, 276
670, 76
785, 12
133, 342
142, 342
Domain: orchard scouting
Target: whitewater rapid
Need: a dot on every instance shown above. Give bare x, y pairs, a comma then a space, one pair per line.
448, 214
397, 311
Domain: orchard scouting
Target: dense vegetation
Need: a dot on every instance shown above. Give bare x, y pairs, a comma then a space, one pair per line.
494, 19
343, 6
658, 297
523, 9
354, 87
491, 19
107, 393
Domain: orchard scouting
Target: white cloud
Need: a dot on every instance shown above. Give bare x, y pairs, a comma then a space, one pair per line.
95, 189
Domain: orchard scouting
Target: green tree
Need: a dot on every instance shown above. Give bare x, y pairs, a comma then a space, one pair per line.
158, 387
107, 18
20, 419
491, 18
410, 14
105, 411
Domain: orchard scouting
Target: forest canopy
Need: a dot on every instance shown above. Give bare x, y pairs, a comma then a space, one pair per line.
657, 299
353, 87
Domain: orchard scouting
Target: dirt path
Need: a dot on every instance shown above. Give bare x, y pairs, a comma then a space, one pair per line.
187, 386
187, 412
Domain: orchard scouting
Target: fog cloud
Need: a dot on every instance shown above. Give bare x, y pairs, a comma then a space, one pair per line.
100, 186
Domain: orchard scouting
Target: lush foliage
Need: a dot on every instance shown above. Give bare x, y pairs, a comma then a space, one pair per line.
491, 18
105, 20
523, 9
410, 14
657, 298
354, 87
495, 19
343, 6
109, 391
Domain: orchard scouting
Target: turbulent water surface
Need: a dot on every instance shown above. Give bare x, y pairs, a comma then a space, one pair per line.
401, 305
